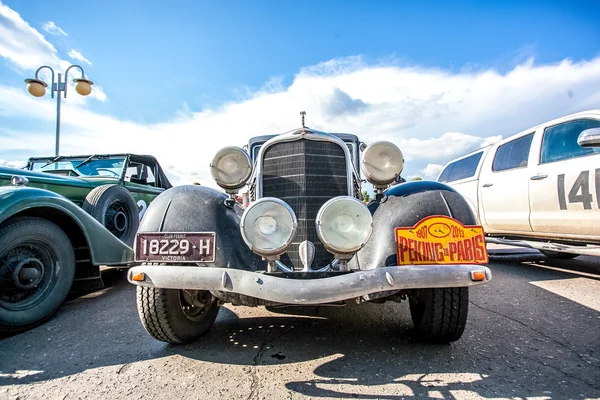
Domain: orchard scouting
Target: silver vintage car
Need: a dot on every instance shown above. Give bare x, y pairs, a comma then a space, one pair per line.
306, 237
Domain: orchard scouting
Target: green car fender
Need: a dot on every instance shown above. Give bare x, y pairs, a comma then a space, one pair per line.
84, 231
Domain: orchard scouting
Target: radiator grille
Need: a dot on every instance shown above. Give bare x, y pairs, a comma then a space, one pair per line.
305, 174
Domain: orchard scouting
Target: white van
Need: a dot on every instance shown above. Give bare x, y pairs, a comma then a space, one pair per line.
539, 188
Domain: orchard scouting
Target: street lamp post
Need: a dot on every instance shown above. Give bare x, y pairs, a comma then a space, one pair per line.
37, 87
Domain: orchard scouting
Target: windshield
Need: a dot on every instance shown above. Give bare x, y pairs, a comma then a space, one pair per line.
95, 166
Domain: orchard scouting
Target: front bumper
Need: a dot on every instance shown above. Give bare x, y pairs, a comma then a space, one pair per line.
308, 291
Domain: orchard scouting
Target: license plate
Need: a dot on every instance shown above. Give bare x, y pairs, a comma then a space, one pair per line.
175, 247
440, 240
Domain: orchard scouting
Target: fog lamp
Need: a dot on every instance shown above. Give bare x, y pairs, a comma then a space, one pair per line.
344, 226
381, 163
268, 227
231, 168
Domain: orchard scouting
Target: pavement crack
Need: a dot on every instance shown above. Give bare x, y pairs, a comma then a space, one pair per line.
526, 326
591, 385
123, 368
253, 373
574, 377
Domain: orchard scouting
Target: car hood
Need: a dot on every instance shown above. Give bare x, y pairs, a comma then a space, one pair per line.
47, 178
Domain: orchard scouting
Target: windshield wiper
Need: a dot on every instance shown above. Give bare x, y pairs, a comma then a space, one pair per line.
55, 159
87, 160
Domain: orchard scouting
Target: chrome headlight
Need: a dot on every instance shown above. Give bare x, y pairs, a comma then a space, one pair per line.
344, 225
268, 227
381, 163
231, 168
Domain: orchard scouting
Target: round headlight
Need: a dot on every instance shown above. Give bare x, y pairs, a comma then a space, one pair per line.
382, 162
344, 225
268, 226
231, 168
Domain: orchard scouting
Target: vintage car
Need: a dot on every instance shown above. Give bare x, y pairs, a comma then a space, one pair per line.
538, 188
306, 238
60, 219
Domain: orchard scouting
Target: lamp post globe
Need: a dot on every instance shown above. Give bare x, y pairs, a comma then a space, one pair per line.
83, 86
36, 87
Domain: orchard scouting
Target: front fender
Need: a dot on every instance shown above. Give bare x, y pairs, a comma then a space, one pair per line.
105, 248
202, 209
405, 205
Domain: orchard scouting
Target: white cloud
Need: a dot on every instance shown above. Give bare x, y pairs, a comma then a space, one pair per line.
22, 44
431, 171
12, 164
75, 55
449, 145
28, 49
54, 29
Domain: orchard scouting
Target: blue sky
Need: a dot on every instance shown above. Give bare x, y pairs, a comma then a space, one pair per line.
187, 62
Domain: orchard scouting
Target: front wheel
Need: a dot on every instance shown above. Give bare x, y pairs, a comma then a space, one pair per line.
440, 315
37, 266
176, 316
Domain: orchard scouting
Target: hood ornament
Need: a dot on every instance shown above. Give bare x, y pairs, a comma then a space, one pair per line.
302, 130
307, 254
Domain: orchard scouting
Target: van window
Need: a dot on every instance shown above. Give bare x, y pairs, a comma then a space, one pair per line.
513, 154
461, 169
445, 175
560, 141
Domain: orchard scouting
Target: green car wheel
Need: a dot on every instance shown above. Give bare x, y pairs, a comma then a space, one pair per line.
37, 266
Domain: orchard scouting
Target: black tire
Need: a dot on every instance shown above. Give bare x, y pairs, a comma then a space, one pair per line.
45, 260
114, 207
440, 315
162, 314
558, 255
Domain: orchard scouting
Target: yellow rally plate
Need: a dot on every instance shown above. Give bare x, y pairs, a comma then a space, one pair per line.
440, 240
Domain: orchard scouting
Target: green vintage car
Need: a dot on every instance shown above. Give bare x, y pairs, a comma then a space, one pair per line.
63, 217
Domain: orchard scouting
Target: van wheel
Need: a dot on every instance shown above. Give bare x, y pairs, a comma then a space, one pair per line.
440, 315
558, 255
114, 207
37, 267
176, 316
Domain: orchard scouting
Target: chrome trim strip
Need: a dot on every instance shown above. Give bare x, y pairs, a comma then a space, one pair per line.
309, 291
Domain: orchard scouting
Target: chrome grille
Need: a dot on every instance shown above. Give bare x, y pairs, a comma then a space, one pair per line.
305, 174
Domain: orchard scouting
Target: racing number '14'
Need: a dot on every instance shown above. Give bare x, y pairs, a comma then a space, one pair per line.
580, 192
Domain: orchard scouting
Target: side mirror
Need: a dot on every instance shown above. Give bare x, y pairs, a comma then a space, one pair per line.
362, 146
589, 138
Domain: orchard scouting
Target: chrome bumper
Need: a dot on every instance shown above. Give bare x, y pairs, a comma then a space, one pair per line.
307, 291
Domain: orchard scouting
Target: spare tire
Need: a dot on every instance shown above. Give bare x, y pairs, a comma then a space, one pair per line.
114, 207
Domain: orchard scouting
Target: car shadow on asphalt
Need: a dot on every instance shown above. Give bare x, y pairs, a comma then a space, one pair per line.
366, 351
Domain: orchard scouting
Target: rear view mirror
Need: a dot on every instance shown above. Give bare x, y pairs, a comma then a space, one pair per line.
589, 138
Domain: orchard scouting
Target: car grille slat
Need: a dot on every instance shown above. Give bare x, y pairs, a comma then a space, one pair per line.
305, 174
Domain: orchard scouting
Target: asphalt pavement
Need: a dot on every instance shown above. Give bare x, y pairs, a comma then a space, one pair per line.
533, 332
